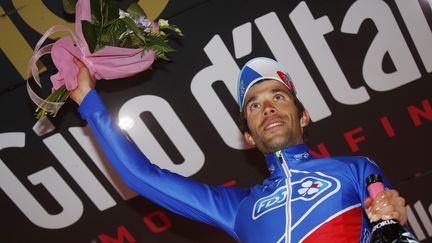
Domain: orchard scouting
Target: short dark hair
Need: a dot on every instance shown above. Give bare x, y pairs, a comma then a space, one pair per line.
244, 127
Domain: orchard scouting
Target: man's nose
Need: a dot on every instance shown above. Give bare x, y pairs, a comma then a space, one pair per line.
268, 109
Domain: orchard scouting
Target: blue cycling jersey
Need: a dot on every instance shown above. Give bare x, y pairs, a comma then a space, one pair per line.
305, 199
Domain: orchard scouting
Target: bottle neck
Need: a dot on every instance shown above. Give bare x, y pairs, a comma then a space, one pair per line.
375, 188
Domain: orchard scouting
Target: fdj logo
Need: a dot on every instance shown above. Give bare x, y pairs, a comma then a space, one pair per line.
306, 189
309, 188
271, 202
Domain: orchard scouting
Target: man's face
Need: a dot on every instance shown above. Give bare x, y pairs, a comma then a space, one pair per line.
272, 117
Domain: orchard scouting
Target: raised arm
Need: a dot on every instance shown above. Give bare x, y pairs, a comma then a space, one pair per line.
212, 205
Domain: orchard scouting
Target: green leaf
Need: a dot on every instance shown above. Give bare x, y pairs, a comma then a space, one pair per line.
113, 39
172, 28
127, 42
112, 10
104, 37
95, 6
132, 26
69, 6
135, 10
161, 48
89, 32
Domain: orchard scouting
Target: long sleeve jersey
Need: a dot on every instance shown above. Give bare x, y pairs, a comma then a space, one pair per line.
305, 199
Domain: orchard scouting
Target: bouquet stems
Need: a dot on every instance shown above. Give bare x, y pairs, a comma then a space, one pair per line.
59, 95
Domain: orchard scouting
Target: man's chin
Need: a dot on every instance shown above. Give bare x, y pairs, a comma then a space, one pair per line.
276, 144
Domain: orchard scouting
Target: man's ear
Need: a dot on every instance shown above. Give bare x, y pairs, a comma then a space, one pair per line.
305, 119
249, 139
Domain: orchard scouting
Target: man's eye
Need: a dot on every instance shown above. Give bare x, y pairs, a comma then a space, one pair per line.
279, 97
254, 106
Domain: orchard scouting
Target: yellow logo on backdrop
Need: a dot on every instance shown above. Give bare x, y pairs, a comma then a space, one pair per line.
40, 18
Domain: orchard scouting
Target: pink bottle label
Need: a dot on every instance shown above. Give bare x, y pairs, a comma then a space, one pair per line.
375, 188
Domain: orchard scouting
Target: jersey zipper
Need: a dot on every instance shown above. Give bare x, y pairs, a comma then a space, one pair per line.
288, 203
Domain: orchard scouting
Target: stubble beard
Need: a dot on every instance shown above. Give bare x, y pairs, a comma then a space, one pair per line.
275, 143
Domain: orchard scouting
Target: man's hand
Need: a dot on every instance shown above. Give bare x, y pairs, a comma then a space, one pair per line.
386, 205
86, 82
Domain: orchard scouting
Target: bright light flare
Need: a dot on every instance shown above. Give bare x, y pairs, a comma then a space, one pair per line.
126, 123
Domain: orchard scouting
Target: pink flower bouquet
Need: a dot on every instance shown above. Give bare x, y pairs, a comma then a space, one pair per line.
112, 44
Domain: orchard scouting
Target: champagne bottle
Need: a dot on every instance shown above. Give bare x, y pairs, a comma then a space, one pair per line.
389, 230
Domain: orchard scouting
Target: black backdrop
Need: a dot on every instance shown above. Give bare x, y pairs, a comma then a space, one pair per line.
362, 68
